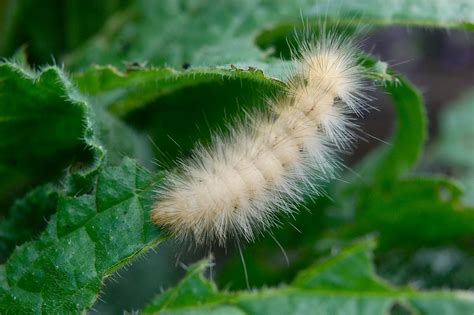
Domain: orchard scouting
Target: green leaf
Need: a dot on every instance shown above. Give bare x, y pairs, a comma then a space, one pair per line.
193, 287
156, 34
89, 238
44, 127
125, 92
169, 104
343, 284
427, 209
47, 126
409, 135
27, 218
396, 158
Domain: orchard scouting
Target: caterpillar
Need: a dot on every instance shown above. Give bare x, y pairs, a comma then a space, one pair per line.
240, 184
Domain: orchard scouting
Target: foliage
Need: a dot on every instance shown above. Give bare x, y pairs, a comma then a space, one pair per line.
345, 283
76, 171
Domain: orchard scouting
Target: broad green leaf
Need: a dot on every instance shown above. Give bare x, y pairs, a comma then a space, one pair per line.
47, 126
44, 127
343, 284
224, 34
177, 107
88, 238
414, 211
124, 92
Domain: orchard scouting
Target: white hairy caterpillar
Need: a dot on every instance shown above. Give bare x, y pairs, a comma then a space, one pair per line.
242, 182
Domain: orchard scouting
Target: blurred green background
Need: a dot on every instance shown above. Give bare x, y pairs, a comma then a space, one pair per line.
132, 35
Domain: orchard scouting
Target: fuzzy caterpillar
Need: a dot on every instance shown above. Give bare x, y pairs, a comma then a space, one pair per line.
238, 186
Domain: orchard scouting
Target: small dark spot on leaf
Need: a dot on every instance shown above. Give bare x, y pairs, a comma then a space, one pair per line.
186, 65
134, 65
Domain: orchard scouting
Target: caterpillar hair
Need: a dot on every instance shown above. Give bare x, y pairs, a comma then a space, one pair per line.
239, 185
